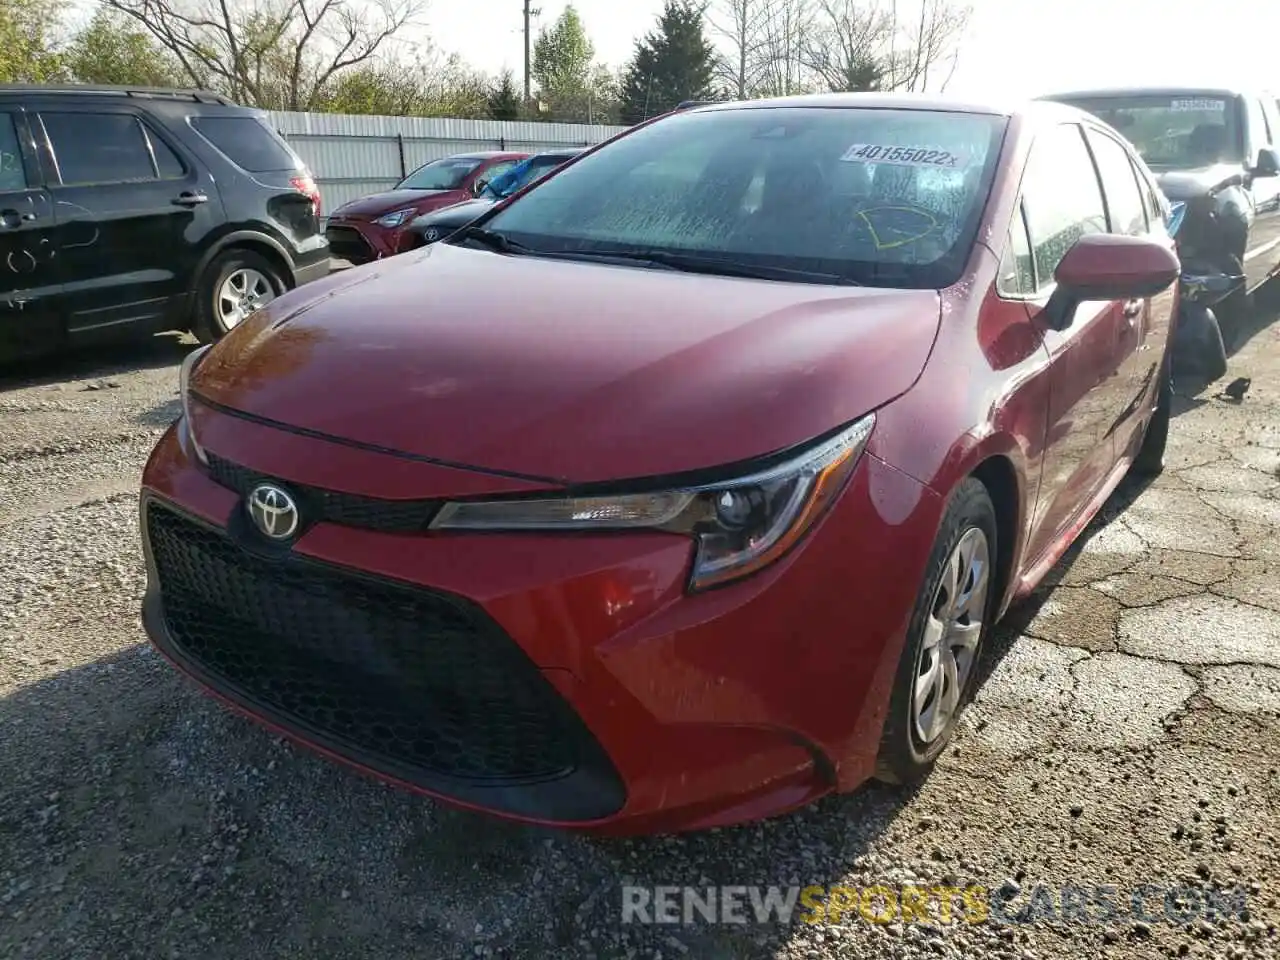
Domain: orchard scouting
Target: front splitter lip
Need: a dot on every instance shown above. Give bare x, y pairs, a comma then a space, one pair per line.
530, 802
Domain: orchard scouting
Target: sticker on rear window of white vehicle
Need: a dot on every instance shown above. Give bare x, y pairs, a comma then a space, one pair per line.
1199, 104
905, 156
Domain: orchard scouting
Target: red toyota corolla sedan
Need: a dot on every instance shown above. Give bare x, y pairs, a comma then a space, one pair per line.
681, 490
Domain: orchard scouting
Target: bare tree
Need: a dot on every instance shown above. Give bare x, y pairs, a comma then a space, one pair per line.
848, 45
927, 45
788, 24
738, 25
276, 54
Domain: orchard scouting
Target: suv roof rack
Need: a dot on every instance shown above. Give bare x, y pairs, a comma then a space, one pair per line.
200, 96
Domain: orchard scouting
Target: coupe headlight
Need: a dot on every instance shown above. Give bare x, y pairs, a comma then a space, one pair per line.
184, 390
396, 217
740, 525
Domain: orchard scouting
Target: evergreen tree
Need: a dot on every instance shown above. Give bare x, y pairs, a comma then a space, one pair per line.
504, 100
675, 62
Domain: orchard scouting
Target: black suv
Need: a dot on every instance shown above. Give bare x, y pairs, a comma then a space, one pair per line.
125, 211
1218, 151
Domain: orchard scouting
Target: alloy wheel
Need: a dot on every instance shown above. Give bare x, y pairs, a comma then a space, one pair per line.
951, 635
242, 292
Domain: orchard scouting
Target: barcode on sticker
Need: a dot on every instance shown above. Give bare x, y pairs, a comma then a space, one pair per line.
904, 156
1199, 104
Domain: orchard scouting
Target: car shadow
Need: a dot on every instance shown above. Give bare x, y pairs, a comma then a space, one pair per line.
1265, 312
100, 362
1021, 614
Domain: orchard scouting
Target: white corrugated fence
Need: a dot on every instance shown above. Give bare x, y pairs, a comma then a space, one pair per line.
352, 156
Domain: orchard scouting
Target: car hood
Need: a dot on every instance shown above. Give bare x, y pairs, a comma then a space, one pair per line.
1194, 182
375, 205
454, 214
567, 371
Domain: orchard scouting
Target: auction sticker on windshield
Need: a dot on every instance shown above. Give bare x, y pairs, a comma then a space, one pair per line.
1199, 104
904, 156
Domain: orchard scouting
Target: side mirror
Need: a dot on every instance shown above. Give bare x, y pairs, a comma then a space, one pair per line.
1105, 266
1268, 164
478, 186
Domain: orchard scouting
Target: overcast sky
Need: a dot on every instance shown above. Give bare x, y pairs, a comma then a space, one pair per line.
1015, 48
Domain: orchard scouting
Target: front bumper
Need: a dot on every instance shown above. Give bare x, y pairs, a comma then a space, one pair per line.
359, 241
675, 712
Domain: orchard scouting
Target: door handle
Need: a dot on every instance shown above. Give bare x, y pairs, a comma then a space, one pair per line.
12, 219
190, 198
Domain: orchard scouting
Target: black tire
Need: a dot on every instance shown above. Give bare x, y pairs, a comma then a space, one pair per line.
1150, 459
1198, 349
208, 325
904, 757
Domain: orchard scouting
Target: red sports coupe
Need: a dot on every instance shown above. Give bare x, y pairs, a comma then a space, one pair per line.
683, 489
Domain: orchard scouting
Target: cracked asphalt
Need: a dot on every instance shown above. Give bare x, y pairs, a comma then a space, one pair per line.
1127, 733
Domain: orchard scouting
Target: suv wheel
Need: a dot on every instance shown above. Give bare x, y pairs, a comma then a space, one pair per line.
234, 285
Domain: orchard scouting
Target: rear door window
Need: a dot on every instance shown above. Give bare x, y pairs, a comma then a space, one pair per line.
248, 143
91, 148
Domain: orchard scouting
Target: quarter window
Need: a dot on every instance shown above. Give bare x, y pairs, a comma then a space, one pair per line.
98, 147
1124, 199
1017, 271
1062, 196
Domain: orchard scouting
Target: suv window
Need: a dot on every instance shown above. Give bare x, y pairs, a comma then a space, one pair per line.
1063, 198
1257, 128
247, 142
98, 147
1272, 116
1124, 199
168, 164
13, 175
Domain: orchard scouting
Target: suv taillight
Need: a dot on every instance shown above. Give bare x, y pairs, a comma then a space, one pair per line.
306, 186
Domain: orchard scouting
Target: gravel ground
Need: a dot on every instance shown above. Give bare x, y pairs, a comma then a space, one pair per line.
1128, 733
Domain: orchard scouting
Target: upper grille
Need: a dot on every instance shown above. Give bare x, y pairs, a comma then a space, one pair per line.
419, 684
391, 516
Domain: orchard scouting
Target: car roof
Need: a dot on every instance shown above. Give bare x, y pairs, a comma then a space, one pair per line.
565, 152
1166, 91
874, 101
484, 155
106, 89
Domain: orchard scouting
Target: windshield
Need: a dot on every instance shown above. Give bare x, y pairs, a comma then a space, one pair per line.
887, 197
1173, 132
521, 175
447, 174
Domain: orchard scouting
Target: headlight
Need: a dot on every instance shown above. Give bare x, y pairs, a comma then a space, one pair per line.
396, 217
184, 390
740, 525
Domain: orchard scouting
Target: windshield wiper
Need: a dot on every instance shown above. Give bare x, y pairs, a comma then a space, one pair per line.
718, 266
494, 241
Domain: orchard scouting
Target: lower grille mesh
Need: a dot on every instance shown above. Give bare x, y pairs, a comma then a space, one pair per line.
387, 672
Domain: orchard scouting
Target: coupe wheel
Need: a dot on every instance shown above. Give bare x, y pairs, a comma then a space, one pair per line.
952, 612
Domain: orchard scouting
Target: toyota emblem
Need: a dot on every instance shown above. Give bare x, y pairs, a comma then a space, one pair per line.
273, 511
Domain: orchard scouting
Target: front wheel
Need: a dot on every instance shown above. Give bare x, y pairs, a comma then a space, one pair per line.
1198, 347
237, 283
949, 622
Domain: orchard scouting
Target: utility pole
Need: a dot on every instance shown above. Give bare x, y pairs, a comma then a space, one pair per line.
528, 14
